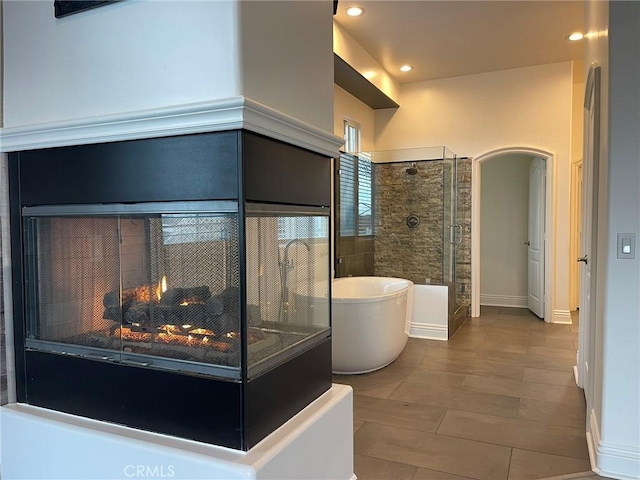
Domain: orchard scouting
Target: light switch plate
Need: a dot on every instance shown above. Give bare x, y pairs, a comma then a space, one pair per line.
627, 245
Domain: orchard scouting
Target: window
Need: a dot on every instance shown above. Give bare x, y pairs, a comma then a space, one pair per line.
194, 228
355, 199
351, 136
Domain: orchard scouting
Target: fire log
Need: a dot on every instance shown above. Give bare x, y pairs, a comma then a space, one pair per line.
176, 296
214, 306
138, 312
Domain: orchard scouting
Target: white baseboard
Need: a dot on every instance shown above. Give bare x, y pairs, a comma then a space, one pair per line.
503, 300
429, 331
561, 316
609, 459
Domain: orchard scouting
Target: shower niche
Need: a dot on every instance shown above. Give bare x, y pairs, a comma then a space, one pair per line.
162, 291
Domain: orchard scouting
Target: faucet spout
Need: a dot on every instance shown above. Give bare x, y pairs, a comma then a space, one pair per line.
287, 263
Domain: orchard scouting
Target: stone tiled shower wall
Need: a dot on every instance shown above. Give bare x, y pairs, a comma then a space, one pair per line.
401, 251
463, 255
417, 253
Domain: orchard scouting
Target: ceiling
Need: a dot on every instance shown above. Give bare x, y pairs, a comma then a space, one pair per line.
442, 39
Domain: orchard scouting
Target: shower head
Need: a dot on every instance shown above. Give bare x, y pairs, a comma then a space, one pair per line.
412, 170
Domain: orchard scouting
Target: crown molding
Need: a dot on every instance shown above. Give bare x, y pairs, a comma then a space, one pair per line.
227, 114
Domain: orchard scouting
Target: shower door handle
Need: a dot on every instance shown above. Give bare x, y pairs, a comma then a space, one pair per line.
459, 239
453, 238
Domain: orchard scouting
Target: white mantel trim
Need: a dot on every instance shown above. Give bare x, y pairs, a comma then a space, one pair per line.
218, 115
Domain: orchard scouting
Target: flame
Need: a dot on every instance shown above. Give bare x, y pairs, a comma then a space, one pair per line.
162, 287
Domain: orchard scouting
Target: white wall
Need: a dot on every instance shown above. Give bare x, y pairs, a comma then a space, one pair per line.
348, 106
351, 52
136, 56
504, 212
287, 57
477, 114
577, 127
614, 44
124, 57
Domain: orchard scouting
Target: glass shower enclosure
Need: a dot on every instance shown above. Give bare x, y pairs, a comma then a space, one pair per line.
421, 220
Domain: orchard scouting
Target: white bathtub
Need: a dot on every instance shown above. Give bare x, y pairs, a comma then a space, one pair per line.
370, 322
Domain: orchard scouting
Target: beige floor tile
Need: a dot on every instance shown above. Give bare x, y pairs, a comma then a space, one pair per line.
424, 341
513, 374
475, 366
370, 468
435, 377
514, 321
424, 474
551, 352
515, 328
517, 311
553, 329
553, 335
502, 346
515, 338
526, 360
544, 341
527, 465
552, 439
520, 389
394, 371
444, 350
368, 385
465, 340
435, 452
483, 320
552, 377
409, 359
396, 413
489, 310
457, 398
552, 413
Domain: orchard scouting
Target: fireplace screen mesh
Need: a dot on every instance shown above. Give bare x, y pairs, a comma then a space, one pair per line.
287, 280
152, 289
164, 290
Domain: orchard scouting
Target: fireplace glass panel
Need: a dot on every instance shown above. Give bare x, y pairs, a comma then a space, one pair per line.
159, 289
287, 283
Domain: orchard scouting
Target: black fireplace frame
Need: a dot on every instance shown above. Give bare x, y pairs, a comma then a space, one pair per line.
234, 165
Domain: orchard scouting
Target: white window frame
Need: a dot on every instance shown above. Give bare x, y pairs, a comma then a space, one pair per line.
352, 133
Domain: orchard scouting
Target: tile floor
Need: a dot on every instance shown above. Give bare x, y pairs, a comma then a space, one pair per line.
498, 401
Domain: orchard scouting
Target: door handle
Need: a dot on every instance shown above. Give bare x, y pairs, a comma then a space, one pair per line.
527, 243
583, 259
459, 240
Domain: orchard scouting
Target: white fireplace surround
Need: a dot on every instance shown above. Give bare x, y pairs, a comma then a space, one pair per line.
218, 115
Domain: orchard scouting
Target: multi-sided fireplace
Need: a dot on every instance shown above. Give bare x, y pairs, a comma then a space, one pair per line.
178, 285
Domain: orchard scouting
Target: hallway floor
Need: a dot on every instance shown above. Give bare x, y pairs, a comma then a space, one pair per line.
497, 402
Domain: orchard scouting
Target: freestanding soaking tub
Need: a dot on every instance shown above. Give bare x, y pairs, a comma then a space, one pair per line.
370, 322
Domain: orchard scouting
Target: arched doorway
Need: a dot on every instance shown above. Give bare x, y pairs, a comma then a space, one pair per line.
476, 223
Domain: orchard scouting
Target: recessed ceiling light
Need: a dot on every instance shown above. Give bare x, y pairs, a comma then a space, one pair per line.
355, 11
575, 36
406, 68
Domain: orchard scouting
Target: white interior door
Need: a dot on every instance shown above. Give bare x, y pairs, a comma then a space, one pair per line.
535, 258
586, 348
